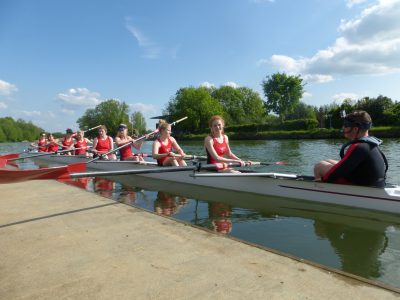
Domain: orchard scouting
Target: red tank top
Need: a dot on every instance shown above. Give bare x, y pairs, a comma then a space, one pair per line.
126, 152
220, 148
164, 149
103, 146
41, 144
66, 143
82, 147
52, 148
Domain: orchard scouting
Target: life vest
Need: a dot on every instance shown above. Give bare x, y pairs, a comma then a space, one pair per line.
371, 140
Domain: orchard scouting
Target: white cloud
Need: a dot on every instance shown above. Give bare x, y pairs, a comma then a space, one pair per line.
351, 3
143, 108
3, 105
7, 88
79, 97
369, 44
342, 96
207, 85
151, 49
33, 113
307, 95
232, 84
67, 111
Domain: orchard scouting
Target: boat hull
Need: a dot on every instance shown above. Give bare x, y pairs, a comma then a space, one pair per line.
271, 184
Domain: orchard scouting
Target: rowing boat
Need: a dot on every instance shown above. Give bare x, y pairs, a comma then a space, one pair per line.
273, 184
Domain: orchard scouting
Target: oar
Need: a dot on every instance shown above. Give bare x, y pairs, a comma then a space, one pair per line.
186, 157
9, 176
42, 154
269, 163
92, 128
134, 141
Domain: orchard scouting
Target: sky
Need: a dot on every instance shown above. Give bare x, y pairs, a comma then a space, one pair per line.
60, 58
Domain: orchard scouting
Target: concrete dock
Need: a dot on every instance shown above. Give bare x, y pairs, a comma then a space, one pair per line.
61, 242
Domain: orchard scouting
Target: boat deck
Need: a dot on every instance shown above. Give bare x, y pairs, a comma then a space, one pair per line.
61, 242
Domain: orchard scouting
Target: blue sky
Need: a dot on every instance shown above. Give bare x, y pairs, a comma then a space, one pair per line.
59, 58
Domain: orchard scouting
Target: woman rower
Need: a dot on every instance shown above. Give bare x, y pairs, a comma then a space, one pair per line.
123, 138
68, 141
52, 144
103, 144
217, 145
41, 144
163, 146
81, 144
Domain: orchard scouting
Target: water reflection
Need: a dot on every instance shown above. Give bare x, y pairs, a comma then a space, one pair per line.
167, 204
220, 217
357, 249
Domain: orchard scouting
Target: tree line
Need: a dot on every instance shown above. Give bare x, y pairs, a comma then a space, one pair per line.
17, 131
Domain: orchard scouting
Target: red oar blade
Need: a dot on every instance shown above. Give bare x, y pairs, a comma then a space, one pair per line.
9, 156
281, 162
10, 176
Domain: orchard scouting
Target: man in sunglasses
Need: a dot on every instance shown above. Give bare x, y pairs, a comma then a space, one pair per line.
363, 163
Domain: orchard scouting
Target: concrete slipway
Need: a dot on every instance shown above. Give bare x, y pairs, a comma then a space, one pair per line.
60, 242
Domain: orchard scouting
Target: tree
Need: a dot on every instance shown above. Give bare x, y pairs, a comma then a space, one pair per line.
376, 107
110, 113
138, 122
283, 93
241, 105
195, 103
302, 111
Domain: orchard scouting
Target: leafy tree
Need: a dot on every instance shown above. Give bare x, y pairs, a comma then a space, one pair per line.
283, 93
195, 103
138, 122
17, 131
376, 107
253, 106
302, 111
241, 105
110, 113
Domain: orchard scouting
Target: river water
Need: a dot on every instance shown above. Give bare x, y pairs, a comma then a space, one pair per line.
356, 241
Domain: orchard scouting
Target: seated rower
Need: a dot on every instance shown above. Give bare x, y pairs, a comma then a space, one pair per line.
103, 144
68, 141
217, 146
41, 143
123, 138
363, 163
163, 146
52, 143
81, 144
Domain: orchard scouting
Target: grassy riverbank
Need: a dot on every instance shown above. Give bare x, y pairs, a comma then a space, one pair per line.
319, 133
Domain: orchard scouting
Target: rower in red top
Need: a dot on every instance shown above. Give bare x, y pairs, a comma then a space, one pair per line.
68, 141
217, 145
81, 144
104, 143
123, 138
41, 144
163, 146
52, 143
